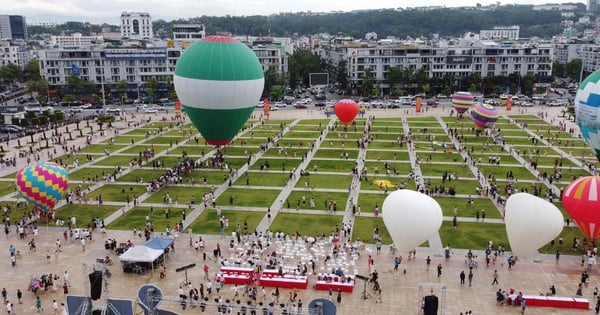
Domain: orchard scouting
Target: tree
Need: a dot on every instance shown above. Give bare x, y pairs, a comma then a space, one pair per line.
32, 70
558, 69
122, 89
10, 73
573, 69
368, 83
394, 78
341, 75
151, 87
301, 64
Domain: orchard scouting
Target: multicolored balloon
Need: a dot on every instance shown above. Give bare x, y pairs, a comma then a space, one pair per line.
346, 110
219, 80
582, 201
462, 101
587, 111
484, 115
42, 184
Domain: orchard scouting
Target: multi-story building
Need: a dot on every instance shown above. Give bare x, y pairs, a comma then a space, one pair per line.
75, 40
188, 32
500, 33
13, 27
136, 25
593, 5
459, 60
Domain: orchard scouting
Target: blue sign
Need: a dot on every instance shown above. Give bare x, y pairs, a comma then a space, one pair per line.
75, 70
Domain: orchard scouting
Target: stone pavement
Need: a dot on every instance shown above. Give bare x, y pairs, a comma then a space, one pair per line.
401, 294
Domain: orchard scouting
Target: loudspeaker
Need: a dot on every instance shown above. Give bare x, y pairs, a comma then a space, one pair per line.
95, 285
431, 305
361, 277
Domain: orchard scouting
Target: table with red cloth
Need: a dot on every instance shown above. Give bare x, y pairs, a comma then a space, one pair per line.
556, 301
335, 282
237, 275
287, 281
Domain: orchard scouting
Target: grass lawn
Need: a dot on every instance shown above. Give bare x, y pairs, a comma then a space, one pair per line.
464, 210
333, 165
182, 194
99, 148
208, 221
390, 155
117, 160
501, 171
248, 197
306, 224
141, 148
123, 140
473, 236
85, 213
388, 144
195, 150
325, 181
461, 186
337, 154
117, 192
437, 169
568, 234
136, 218
402, 167
146, 174
89, 173
364, 227
321, 198
239, 151
174, 140
275, 164
263, 179
368, 201
283, 152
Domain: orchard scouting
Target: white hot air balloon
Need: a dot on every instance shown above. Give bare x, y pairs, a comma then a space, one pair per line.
531, 222
411, 218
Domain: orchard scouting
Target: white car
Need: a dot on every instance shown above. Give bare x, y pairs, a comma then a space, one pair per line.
113, 110
150, 111
86, 106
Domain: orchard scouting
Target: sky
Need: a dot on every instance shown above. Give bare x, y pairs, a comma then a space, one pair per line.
109, 11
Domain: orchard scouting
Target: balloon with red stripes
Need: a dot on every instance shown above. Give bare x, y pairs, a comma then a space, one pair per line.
42, 184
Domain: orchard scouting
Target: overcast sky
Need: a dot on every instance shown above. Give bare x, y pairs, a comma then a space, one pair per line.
109, 11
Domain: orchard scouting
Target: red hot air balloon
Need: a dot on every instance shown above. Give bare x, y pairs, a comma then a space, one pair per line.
582, 201
346, 110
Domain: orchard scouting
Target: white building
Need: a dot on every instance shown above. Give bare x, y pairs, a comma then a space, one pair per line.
188, 32
75, 40
13, 54
136, 25
500, 33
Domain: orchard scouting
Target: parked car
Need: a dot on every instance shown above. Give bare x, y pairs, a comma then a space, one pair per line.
150, 111
113, 110
300, 106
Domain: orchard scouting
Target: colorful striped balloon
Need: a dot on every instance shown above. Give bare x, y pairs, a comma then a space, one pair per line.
462, 101
582, 202
42, 184
219, 80
484, 116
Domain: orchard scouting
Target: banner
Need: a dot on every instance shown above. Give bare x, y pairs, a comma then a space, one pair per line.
509, 102
75, 70
419, 104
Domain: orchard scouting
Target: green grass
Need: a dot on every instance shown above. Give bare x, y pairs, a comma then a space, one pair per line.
248, 197
117, 192
402, 167
276, 164
321, 198
146, 174
99, 148
89, 173
136, 218
501, 171
344, 166
170, 140
473, 236
123, 140
306, 224
325, 181
208, 221
85, 213
182, 194
390, 155
364, 227
117, 160
431, 169
337, 154
262, 179
448, 203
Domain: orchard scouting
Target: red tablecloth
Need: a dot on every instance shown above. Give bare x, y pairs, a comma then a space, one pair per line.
556, 301
324, 285
237, 270
288, 282
236, 279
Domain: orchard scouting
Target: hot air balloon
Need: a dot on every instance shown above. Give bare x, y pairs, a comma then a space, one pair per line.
411, 218
42, 184
462, 101
218, 81
587, 110
484, 115
346, 110
531, 222
582, 201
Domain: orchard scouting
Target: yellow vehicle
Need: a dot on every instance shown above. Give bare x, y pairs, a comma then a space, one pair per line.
504, 98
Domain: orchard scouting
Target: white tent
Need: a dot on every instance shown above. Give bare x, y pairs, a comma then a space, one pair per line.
141, 253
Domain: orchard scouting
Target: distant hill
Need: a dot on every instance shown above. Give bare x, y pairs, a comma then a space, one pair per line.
385, 22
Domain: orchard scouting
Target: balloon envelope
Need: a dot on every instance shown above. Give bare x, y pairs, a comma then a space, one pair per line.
484, 115
218, 81
462, 101
531, 222
346, 110
582, 202
42, 184
411, 218
587, 110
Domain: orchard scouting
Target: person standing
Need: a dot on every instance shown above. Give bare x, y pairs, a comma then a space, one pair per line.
19, 296
462, 277
439, 270
330, 294
470, 276
339, 295
38, 304
55, 307
396, 263
557, 256
428, 260
523, 306
495, 277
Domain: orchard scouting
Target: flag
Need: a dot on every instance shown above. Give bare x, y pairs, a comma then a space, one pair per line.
75, 70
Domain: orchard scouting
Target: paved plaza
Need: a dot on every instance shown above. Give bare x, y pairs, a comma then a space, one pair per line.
401, 291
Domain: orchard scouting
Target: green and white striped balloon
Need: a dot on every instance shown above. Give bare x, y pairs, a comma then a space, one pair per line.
218, 80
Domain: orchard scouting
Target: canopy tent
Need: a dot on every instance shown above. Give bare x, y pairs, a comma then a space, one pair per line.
159, 243
141, 253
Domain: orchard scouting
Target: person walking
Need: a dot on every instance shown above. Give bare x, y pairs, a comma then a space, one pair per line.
428, 260
462, 277
523, 306
495, 277
439, 270
38, 304
19, 296
339, 295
